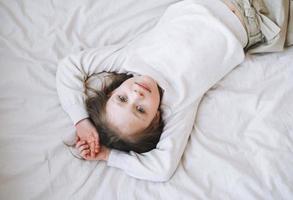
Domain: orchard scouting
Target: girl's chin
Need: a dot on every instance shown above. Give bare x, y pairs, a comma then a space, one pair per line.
148, 80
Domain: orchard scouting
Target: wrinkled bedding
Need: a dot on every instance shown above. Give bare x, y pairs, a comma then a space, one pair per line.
241, 146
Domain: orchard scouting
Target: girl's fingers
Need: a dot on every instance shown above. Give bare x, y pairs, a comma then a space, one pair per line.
97, 138
94, 138
79, 143
85, 153
96, 142
83, 147
97, 148
91, 138
92, 147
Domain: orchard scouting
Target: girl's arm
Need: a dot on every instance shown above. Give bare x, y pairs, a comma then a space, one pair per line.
75, 69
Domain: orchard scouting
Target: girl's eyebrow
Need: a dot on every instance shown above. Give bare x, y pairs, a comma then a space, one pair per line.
134, 111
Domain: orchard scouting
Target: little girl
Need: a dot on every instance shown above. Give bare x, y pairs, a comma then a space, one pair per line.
193, 46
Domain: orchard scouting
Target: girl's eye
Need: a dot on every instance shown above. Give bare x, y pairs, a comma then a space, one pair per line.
140, 109
122, 98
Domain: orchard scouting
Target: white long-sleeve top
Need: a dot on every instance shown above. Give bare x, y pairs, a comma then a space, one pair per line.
191, 48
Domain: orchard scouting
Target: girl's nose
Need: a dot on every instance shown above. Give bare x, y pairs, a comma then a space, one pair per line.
139, 93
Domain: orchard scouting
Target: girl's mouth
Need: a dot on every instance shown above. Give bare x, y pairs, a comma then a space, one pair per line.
144, 86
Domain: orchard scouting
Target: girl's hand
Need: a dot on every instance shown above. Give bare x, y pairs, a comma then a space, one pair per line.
84, 150
86, 132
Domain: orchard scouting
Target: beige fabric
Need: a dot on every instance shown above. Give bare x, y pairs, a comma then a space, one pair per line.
235, 11
278, 11
258, 26
289, 39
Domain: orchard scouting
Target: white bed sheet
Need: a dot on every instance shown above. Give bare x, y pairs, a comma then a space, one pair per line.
241, 146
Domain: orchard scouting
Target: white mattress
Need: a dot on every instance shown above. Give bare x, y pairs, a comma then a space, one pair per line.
241, 146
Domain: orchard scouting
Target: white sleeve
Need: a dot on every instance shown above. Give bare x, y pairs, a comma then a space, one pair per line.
73, 70
160, 163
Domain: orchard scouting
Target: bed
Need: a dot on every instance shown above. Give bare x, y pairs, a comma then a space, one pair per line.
241, 146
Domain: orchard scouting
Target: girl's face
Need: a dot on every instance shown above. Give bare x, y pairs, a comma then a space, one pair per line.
133, 105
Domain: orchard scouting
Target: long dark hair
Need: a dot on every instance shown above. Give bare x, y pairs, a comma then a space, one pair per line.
145, 141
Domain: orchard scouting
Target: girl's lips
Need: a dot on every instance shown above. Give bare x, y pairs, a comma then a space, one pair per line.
144, 86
